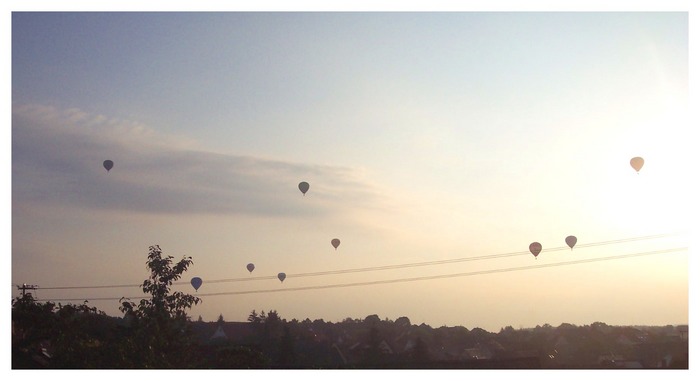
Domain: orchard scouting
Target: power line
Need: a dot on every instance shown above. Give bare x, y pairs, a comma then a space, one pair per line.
457, 260
414, 279
473, 273
386, 267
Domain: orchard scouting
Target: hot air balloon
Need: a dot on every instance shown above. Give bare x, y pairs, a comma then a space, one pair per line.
571, 241
335, 242
535, 248
304, 187
281, 276
196, 283
637, 163
108, 164
250, 267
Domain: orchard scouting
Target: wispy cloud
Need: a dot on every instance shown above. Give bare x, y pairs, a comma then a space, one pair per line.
57, 159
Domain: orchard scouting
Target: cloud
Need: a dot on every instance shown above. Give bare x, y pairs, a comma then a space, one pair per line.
57, 158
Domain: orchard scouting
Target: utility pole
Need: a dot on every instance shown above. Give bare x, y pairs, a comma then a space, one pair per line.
24, 287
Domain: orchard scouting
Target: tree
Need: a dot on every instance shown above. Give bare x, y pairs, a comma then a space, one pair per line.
403, 322
373, 353
254, 317
161, 334
372, 320
60, 336
32, 321
273, 324
286, 352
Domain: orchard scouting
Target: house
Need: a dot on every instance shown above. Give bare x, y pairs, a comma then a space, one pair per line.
477, 352
624, 341
219, 334
239, 332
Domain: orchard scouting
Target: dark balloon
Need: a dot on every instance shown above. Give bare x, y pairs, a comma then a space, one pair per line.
250, 267
304, 187
535, 248
196, 283
571, 241
108, 164
335, 242
281, 276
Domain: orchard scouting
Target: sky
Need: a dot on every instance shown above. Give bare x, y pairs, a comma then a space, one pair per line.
438, 147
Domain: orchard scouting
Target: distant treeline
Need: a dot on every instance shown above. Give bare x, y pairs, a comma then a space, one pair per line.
80, 337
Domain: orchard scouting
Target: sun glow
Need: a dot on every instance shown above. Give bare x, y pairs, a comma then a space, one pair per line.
659, 194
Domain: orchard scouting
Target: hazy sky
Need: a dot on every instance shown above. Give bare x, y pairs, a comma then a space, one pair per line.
435, 145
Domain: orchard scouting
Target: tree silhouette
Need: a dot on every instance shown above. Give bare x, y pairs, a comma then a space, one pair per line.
286, 351
372, 354
76, 335
254, 317
159, 324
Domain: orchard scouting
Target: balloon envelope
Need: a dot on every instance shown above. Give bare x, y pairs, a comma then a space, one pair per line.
637, 163
250, 267
571, 241
196, 282
535, 248
304, 187
108, 164
281, 276
335, 242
